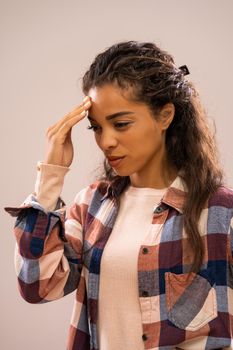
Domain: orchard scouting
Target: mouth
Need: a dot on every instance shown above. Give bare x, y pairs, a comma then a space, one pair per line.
115, 161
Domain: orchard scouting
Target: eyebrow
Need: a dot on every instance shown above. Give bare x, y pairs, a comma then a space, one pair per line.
112, 116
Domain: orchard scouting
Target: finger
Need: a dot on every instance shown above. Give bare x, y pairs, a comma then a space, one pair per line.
79, 112
56, 126
68, 137
86, 103
82, 106
75, 111
86, 98
66, 128
73, 117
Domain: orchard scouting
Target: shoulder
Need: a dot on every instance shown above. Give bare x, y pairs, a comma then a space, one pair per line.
222, 197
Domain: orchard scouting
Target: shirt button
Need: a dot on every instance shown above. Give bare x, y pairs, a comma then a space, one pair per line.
145, 250
145, 293
144, 337
158, 210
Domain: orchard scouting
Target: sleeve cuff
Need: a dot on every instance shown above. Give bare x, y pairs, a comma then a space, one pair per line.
49, 184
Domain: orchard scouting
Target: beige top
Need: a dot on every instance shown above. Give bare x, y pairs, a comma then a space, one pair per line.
119, 319
119, 323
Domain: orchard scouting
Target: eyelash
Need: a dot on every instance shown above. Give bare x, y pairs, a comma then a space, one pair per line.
95, 128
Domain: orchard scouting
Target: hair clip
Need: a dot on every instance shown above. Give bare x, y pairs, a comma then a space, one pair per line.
184, 69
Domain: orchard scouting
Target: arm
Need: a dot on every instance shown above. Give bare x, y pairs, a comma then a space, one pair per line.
49, 240
48, 257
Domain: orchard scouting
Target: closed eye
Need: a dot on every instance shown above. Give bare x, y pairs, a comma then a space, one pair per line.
118, 125
95, 128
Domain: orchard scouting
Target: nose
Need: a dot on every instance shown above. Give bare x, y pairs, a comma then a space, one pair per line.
107, 140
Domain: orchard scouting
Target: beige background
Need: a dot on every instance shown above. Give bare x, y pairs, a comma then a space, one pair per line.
46, 46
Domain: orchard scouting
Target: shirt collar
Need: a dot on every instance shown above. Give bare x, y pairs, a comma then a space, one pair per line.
175, 195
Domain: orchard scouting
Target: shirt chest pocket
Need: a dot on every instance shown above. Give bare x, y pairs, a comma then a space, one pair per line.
190, 300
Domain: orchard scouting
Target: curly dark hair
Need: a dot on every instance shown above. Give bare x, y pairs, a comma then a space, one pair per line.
150, 76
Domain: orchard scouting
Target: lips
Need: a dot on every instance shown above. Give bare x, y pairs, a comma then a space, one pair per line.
115, 161
114, 158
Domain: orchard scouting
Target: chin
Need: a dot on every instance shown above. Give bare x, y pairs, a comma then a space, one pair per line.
122, 172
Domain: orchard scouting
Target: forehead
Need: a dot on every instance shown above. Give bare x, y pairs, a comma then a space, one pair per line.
108, 94
110, 99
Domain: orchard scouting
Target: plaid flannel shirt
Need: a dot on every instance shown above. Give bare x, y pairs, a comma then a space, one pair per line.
60, 251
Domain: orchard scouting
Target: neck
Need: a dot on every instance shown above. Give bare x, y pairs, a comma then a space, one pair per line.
159, 177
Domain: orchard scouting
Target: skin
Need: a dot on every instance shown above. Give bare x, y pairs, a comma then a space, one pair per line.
59, 146
138, 136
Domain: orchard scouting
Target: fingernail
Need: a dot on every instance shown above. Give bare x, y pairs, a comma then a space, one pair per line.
87, 104
86, 98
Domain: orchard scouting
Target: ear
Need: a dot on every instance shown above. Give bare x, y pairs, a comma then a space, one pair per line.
166, 115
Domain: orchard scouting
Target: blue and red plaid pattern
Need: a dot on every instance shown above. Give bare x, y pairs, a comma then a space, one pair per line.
60, 251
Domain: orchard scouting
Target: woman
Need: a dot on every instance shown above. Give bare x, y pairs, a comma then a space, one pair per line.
148, 247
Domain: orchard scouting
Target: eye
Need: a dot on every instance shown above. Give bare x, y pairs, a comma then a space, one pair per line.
117, 125
95, 128
121, 125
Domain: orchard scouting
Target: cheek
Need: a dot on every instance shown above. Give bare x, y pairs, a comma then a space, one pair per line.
97, 140
146, 137
150, 143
